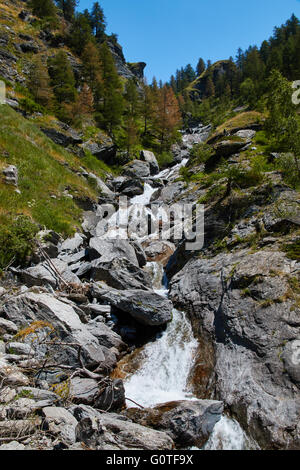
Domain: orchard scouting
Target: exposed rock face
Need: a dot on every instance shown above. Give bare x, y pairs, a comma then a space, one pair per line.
169, 193
241, 305
60, 421
61, 138
159, 251
124, 69
107, 250
137, 69
188, 423
131, 187
106, 151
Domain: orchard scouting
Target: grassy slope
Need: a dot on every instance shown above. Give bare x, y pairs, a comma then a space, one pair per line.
43, 172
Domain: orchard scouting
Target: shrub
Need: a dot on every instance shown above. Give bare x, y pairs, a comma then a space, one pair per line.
30, 106
287, 164
16, 240
165, 159
200, 153
293, 250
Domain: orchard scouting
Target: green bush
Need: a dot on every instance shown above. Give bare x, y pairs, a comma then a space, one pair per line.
200, 153
16, 240
293, 250
289, 166
165, 159
30, 106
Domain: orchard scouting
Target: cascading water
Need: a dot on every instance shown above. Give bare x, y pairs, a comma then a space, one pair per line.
165, 363
165, 366
228, 435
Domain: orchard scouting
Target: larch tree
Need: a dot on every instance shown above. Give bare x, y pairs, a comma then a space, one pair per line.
209, 88
80, 33
39, 83
168, 115
92, 69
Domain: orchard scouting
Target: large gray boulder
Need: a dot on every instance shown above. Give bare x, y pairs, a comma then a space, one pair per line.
188, 423
107, 250
149, 157
61, 138
146, 307
103, 151
60, 422
225, 148
111, 431
247, 320
103, 188
105, 335
121, 274
48, 273
30, 307
159, 251
169, 193
71, 244
137, 169
90, 392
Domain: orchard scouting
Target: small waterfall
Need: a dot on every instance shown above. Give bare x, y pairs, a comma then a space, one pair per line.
171, 173
228, 435
145, 197
166, 364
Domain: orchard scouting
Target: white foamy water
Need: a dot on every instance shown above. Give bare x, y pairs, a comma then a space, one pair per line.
228, 435
170, 173
145, 197
164, 372
166, 364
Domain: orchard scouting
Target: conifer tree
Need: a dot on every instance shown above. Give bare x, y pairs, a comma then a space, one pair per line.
80, 33
43, 8
147, 105
209, 88
98, 21
92, 69
200, 67
132, 98
111, 107
62, 78
39, 83
168, 116
82, 108
68, 8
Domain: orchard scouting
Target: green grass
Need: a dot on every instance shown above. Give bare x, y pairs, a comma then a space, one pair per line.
45, 170
293, 250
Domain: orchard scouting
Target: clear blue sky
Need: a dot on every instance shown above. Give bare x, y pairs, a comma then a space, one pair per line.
168, 34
